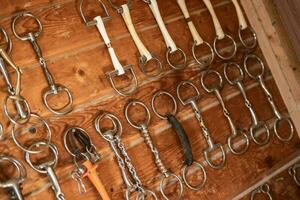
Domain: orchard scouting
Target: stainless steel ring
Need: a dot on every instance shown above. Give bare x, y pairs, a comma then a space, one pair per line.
16, 119
159, 93
186, 181
259, 61
7, 40
217, 50
192, 86
209, 161
52, 163
176, 65
143, 62
164, 182
26, 14
254, 37
22, 174
253, 130
216, 86
109, 135
246, 145
291, 126
67, 132
142, 104
238, 79
60, 111
27, 149
200, 61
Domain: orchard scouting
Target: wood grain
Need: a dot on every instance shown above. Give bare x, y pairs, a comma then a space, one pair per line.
78, 59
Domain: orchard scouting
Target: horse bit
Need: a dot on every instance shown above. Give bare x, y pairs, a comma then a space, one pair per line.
263, 189
171, 46
53, 88
212, 146
259, 78
293, 173
79, 145
235, 133
258, 127
47, 167
145, 55
13, 184
113, 137
189, 161
23, 113
119, 70
143, 127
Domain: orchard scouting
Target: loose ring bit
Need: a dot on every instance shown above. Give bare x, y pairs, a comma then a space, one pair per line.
191, 99
27, 37
291, 129
200, 61
28, 149
257, 127
109, 135
165, 180
293, 173
7, 41
208, 159
260, 64
59, 89
41, 168
243, 41
148, 114
176, 65
159, 93
219, 53
215, 87
186, 181
263, 189
17, 119
245, 145
143, 62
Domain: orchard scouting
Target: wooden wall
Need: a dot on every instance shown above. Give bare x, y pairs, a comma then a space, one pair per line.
78, 58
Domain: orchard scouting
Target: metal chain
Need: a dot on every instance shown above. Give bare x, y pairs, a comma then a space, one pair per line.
129, 165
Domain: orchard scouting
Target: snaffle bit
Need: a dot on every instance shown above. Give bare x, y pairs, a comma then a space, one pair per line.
216, 90
119, 70
13, 184
244, 26
171, 46
20, 103
47, 167
145, 56
143, 127
85, 157
263, 189
280, 118
293, 173
192, 101
53, 88
220, 35
113, 136
256, 124
198, 41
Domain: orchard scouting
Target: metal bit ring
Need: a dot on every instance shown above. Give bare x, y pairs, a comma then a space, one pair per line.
214, 87
291, 129
164, 182
193, 87
143, 62
263, 189
255, 128
237, 79
41, 168
260, 63
200, 61
185, 179
109, 135
28, 149
135, 103
244, 43
16, 119
26, 14
231, 147
293, 173
159, 93
7, 41
218, 52
176, 65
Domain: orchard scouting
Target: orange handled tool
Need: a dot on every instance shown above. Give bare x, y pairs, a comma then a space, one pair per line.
92, 175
